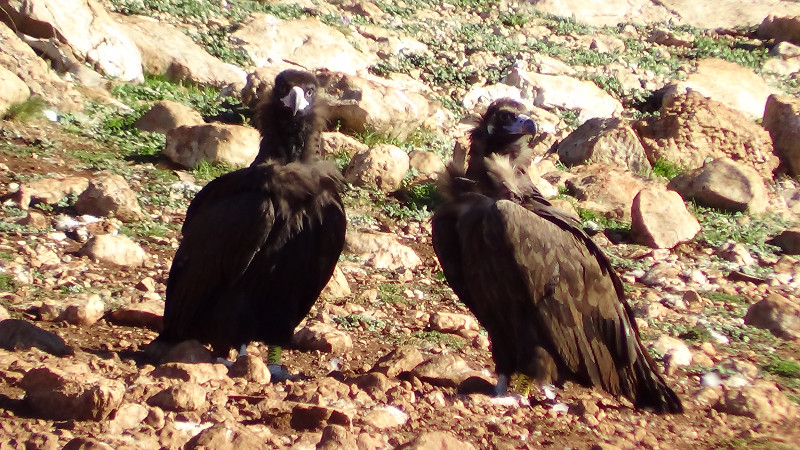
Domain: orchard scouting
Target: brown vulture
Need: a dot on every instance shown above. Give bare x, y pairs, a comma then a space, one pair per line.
260, 243
552, 304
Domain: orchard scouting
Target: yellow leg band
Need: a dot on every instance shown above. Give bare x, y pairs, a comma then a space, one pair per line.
274, 354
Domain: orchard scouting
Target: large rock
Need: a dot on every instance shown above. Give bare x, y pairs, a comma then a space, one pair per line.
605, 189
188, 396
724, 184
84, 26
776, 313
659, 219
437, 440
166, 50
729, 83
610, 141
49, 190
14, 90
559, 91
382, 250
108, 194
323, 337
383, 166
19, 58
166, 115
307, 42
231, 144
71, 395
692, 128
118, 250
393, 107
227, 437
763, 401
782, 120
719, 14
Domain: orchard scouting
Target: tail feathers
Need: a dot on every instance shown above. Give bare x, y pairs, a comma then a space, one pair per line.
650, 391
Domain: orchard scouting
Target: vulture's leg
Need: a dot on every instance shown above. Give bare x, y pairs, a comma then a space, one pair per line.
501, 389
277, 371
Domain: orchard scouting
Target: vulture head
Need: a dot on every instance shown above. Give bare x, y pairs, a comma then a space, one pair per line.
288, 120
499, 133
295, 91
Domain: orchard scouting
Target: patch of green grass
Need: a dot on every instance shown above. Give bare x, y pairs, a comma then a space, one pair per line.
26, 110
145, 229
392, 293
371, 137
666, 169
786, 368
719, 227
723, 47
217, 42
7, 284
604, 222
437, 337
351, 321
206, 171
570, 116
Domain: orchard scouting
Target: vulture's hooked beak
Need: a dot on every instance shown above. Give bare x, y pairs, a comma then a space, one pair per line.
296, 100
523, 125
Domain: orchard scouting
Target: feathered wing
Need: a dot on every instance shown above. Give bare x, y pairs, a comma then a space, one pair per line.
225, 226
551, 307
258, 247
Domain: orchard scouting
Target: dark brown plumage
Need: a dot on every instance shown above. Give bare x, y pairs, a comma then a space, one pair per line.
548, 297
260, 243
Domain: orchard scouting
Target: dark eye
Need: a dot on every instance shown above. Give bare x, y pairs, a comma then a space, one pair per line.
310, 92
505, 116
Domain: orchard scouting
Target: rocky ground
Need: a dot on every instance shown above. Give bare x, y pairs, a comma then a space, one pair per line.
690, 109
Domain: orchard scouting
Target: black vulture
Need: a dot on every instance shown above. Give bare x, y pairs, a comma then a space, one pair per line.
260, 243
545, 292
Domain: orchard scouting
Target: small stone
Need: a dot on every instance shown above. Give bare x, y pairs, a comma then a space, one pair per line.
251, 368
59, 395
190, 351
382, 166
187, 396
673, 351
130, 415
83, 310
323, 337
399, 360
196, 372
222, 436
763, 401
115, 249
335, 437
109, 194
439, 440
384, 418
776, 313
146, 314
446, 369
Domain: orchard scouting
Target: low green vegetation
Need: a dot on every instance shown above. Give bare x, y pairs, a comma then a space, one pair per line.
786, 368
7, 284
24, 111
604, 222
439, 338
351, 321
666, 169
206, 171
719, 227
